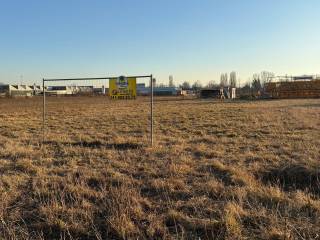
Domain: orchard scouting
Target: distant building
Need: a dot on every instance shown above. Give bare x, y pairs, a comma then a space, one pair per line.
69, 90
219, 93
18, 90
165, 91
10, 90
210, 93
59, 90
100, 90
181, 92
233, 93
25, 90
142, 90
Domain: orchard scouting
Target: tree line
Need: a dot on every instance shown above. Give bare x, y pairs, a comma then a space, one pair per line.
255, 83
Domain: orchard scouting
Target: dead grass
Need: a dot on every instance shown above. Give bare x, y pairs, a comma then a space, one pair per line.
242, 170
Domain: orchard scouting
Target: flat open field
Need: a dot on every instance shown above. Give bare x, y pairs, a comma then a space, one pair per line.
242, 170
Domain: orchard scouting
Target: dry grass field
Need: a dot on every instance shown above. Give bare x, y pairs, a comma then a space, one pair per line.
242, 170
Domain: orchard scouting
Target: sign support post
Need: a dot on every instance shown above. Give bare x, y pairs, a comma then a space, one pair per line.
43, 111
151, 110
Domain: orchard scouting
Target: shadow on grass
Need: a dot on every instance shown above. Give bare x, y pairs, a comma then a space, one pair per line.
97, 144
294, 177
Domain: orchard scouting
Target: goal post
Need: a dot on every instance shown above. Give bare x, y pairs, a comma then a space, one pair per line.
45, 80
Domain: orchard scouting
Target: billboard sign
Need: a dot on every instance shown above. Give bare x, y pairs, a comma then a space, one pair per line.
123, 88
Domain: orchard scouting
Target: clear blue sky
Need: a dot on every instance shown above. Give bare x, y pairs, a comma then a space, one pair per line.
190, 39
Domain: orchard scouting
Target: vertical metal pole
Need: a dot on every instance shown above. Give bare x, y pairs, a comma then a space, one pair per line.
43, 111
151, 110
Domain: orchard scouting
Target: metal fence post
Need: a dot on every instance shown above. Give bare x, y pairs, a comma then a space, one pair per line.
43, 111
151, 110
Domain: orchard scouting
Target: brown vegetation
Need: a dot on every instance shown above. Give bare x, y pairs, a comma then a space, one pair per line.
243, 170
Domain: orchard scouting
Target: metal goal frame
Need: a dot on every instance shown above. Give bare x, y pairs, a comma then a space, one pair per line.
44, 80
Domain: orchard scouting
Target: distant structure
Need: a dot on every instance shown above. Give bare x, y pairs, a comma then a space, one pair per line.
165, 91
218, 93
142, 90
63, 90
8, 90
233, 94
210, 93
294, 87
69, 90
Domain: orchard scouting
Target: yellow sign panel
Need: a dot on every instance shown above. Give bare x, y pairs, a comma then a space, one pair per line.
123, 88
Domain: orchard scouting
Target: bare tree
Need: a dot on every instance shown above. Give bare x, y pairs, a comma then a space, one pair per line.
256, 82
171, 83
211, 84
185, 85
246, 89
266, 77
233, 79
196, 85
224, 80
247, 85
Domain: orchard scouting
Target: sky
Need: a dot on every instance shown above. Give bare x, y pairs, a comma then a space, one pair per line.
188, 39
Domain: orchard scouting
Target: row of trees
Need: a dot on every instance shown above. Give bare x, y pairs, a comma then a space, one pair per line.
256, 83
225, 81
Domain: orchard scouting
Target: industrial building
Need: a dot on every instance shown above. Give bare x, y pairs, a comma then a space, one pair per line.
69, 90
219, 93
165, 91
210, 93
142, 90
7, 90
